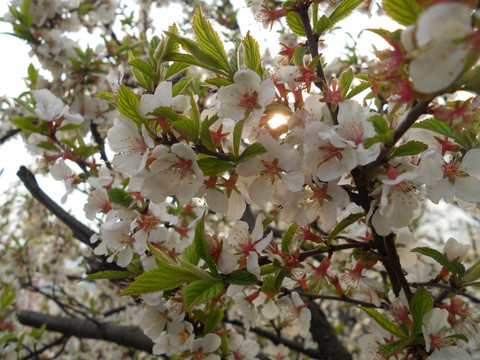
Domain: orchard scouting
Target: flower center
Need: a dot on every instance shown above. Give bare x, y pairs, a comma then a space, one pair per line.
249, 101
185, 166
271, 169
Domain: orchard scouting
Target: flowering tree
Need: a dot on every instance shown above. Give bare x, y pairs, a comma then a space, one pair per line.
217, 231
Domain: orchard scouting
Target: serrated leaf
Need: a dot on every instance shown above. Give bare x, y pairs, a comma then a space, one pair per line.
268, 284
379, 123
385, 323
421, 304
438, 257
436, 126
153, 281
251, 151
218, 82
186, 128
110, 274
349, 220
237, 136
191, 60
108, 96
341, 12
295, 23
288, 236
120, 197
409, 148
251, 54
167, 45
213, 320
168, 113
346, 78
181, 85
358, 89
369, 142
200, 291
473, 273
27, 124
404, 12
212, 166
322, 25
209, 40
152, 46
190, 254
47, 146
175, 68
144, 67
387, 350
127, 104
241, 278
201, 246
205, 136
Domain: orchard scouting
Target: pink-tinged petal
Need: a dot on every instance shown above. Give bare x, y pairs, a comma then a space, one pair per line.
184, 151
261, 190
227, 262
248, 80
261, 245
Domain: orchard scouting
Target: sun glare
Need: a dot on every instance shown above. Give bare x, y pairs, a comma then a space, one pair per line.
276, 121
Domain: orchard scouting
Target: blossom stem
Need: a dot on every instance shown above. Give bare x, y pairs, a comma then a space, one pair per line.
312, 40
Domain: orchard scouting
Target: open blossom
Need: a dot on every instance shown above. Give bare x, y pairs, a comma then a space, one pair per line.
50, 108
438, 53
276, 171
249, 94
173, 172
132, 148
455, 251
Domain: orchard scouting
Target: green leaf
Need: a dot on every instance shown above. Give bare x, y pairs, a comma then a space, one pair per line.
436, 126
169, 114
144, 67
288, 236
295, 23
404, 12
341, 12
152, 281
473, 273
385, 323
27, 124
421, 304
349, 220
369, 142
205, 136
201, 246
174, 69
127, 104
241, 278
439, 257
209, 41
379, 123
108, 96
409, 148
387, 350
346, 78
152, 46
268, 284
237, 137
120, 197
109, 274
187, 128
212, 166
251, 53
251, 151
167, 45
358, 89
190, 254
213, 320
218, 81
199, 60
200, 291
322, 25
181, 85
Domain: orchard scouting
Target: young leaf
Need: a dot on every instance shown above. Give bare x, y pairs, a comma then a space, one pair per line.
169, 114
288, 236
358, 89
409, 148
251, 151
212, 166
187, 128
144, 67
473, 273
404, 12
201, 246
241, 278
349, 220
341, 12
120, 197
379, 123
209, 41
346, 79
436, 126
200, 291
152, 281
152, 46
213, 319
190, 254
295, 23
385, 323
251, 53
181, 85
26, 123
109, 274
237, 137
205, 136
421, 304
175, 68
441, 259
127, 104
387, 350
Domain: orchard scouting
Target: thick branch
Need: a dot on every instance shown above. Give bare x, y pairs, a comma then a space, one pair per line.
329, 347
9, 134
130, 336
80, 231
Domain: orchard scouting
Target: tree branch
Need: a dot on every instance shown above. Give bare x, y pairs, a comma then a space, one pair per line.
8, 135
130, 336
